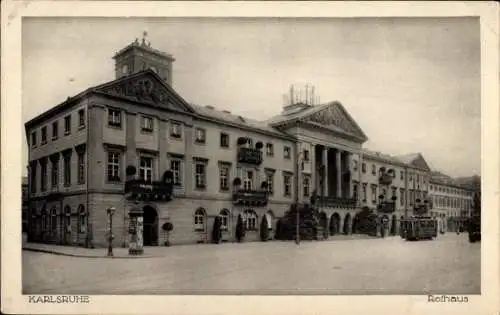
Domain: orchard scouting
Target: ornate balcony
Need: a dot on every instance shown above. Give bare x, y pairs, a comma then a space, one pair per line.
250, 197
250, 156
336, 202
387, 207
385, 179
141, 190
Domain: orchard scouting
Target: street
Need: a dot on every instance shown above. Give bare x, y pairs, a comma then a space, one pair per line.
448, 265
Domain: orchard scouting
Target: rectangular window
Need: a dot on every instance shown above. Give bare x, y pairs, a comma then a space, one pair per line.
306, 186
55, 130
365, 192
175, 167
114, 117
363, 167
402, 196
175, 130
287, 185
200, 175
33, 176
33, 139
67, 170
67, 125
270, 182
55, 174
113, 167
43, 176
81, 118
248, 180
200, 135
287, 152
355, 165
374, 169
81, 168
394, 191
146, 124
306, 155
146, 169
224, 140
269, 149
374, 194
224, 177
44, 135
402, 175
355, 188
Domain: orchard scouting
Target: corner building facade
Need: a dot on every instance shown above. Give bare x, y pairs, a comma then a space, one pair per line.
79, 152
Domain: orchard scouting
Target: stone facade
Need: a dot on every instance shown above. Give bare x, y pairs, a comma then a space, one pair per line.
79, 169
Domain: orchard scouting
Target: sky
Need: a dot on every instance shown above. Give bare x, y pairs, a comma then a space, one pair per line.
412, 84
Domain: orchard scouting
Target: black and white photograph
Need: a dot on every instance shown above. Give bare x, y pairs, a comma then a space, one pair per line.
246, 156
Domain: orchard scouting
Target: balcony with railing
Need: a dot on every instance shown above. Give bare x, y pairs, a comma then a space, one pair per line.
336, 202
250, 156
387, 206
140, 190
250, 197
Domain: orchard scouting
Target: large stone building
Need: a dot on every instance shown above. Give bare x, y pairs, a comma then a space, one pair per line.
452, 202
80, 153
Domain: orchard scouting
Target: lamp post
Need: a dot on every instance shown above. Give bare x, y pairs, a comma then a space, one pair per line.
297, 190
110, 211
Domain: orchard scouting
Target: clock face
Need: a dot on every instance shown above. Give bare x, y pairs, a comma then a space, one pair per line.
125, 69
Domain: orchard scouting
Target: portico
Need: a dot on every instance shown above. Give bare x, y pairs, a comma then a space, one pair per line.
332, 172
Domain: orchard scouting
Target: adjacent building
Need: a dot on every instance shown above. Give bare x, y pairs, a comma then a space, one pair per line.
221, 164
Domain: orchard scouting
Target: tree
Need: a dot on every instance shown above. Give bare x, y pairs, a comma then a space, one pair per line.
308, 223
240, 229
217, 230
264, 229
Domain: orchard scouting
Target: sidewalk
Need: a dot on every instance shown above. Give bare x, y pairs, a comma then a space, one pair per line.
118, 252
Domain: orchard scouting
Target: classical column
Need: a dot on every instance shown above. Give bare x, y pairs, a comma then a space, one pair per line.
349, 189
325, 174
338, 165
312, 161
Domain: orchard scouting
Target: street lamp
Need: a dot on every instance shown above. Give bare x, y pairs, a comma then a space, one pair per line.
110, 211
297, 190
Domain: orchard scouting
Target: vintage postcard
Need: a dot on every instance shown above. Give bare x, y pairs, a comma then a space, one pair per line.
249, 157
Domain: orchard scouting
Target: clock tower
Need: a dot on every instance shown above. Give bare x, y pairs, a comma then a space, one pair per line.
139, 56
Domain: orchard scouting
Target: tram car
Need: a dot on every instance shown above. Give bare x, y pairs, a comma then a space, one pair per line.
419, 228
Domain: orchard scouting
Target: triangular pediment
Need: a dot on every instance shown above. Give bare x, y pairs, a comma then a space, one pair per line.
335, 117
146, 87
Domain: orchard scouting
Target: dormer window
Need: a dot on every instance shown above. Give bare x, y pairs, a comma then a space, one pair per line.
125, 69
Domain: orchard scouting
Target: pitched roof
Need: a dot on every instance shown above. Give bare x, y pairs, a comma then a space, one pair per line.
407, 158
225, 116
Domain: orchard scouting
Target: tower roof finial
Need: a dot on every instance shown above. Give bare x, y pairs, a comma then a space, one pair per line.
144, 35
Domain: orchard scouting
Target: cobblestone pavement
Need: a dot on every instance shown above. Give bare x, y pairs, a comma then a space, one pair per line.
448, 265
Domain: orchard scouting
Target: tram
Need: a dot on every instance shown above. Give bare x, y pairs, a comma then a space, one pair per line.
419, 228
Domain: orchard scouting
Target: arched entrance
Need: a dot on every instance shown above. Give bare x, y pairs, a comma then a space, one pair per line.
335, 224
393, 225
150, 226
347, 223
